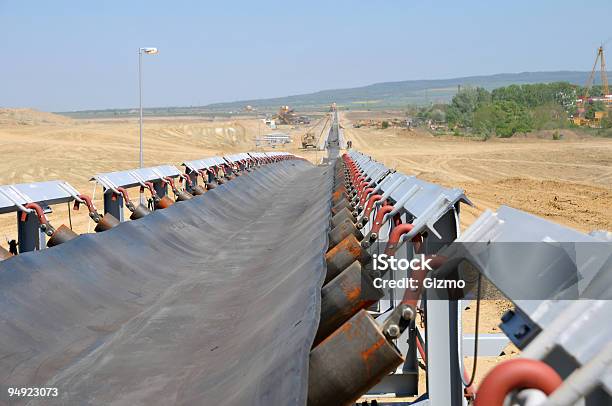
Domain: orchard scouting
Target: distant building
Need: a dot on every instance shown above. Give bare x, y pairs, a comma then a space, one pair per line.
273, 139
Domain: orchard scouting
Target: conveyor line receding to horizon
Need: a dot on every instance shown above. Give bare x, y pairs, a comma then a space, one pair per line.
214, 300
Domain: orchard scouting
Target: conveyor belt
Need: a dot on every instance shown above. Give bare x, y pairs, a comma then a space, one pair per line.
212, 301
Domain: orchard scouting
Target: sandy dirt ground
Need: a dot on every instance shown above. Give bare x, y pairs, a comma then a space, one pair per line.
567, 181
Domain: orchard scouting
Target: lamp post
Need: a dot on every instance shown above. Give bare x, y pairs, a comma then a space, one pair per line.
147, 51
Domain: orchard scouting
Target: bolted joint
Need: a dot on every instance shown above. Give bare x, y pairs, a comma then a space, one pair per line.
408, 313
392, 331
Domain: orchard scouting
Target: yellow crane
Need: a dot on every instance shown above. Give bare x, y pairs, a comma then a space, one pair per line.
584, 100
604, 75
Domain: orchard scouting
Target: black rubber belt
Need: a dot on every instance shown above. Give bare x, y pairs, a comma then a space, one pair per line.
213, 301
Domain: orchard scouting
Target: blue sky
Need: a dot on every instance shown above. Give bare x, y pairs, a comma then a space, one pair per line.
74, 55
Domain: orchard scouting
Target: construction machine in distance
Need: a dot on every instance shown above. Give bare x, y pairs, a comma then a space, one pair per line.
309, 140
586, 99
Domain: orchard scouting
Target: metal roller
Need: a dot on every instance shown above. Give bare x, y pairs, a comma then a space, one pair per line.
107, 222
139, 212
197, 190
343, 230
349, 362
344, 254
61, 235
349, 292
338, 195
341, 216
163, 203
183, 195
341, 205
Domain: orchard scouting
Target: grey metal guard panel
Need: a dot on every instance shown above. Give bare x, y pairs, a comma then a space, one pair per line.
211, 301
131, 178
554, 262
580, 327
50, 192
237, 157
200, 164
426, 202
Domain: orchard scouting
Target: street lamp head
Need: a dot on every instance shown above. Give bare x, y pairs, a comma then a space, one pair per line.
149, 51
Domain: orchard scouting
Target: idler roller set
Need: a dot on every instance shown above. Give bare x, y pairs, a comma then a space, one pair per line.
352, 352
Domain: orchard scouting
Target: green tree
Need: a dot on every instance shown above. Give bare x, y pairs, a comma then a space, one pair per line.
549, 116
464, 104
485, 120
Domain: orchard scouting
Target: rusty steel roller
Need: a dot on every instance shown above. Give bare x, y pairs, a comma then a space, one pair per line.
341, 216
343, 230
162, 202
61, 235
197, 190
338, 195
103, 223
349, 362
344, 296
344, 254
106, 222
341, 205
182, 195
139, 212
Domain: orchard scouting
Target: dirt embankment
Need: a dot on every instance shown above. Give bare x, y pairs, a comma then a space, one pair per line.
10, 117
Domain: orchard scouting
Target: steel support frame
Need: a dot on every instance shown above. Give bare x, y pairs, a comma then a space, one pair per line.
193, 176
405, 380
113, 204
160, 188
29, 235
444, 380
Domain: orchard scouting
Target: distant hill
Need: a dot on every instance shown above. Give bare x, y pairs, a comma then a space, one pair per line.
398, 94
375, 96
29, 117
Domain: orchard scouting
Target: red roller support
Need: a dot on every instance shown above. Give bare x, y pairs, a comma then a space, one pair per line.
151, 188
88, 202
169, 181
204, 174
362, 185
370, 205
516, 374
126, 197
378, 220
42, 219
186, 178
364, 195
397, 233
124, 193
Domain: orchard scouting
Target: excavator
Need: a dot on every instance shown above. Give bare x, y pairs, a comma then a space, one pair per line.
309, 140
